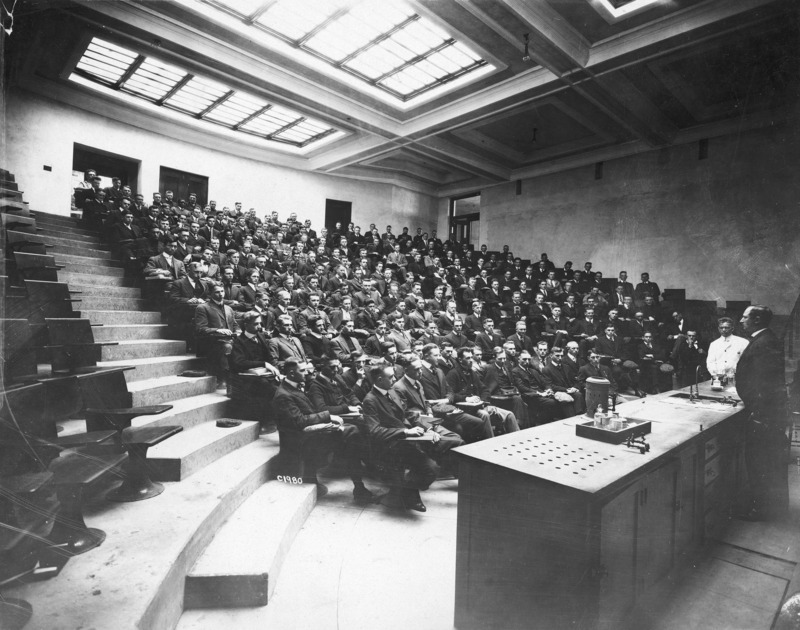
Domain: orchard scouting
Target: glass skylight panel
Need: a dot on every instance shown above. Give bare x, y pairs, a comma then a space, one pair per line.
235, 109
164, 84
106, 61
371, 39
197, 95
153, 79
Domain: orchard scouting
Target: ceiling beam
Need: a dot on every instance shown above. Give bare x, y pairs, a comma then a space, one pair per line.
553, 42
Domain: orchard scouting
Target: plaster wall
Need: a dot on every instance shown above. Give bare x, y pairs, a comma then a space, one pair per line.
724, 228
41, 132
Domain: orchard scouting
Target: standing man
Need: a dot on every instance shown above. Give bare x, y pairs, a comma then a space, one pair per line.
761, 383
724, 352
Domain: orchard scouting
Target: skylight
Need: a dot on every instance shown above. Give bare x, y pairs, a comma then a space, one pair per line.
169, 86
385, 44
618, 9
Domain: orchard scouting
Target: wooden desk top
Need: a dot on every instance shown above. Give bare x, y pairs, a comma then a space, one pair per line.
554, 453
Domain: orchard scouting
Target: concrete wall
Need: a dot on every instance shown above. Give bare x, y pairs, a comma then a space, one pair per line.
42, 132
724, 228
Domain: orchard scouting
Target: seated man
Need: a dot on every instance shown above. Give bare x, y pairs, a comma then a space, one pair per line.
328, 391
284, 345
250, 351
215, 327
373, 344
595, 369
346, 345
520, 338
611, 347
165, 265
465, 383
439, 398
499, 386
185, 295
398, 438
563, 382
316, 340
488, 339
535, 389
556, 328
315, 434
456, 337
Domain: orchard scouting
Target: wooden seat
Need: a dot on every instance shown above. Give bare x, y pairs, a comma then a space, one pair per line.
36, 266
25, 242
137, 484
72, 345
51, 299
19, 354
18, 222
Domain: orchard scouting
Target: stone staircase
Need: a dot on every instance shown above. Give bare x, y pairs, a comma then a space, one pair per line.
114, 305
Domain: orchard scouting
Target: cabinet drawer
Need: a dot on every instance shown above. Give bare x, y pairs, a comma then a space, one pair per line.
711, 448
711, 470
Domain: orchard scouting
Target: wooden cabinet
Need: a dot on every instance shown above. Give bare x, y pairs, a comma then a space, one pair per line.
556, 531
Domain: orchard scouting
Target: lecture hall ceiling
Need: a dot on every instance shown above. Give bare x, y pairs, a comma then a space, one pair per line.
436, 95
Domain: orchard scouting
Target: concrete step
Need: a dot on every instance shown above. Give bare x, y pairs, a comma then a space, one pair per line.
156, 367
120, 317
230, 574
78, 249
184, 454
162, 549
189, 412
13, 204
47, 232
56, 219
142, 349
78, 259
95, 279
8, 182
58, 237
92, 269
91, 290
167, 389
113, 303
129, 332
68, 231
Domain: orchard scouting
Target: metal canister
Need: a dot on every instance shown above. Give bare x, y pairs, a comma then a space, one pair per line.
596, 394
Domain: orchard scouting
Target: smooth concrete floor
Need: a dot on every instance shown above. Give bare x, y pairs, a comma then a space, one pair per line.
370, 568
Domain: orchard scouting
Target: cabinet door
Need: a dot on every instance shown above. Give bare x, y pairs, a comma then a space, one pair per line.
686, 503
656, 526
618, 532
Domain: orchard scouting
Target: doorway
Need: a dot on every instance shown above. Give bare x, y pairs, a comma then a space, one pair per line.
337, 212
182, 183
105, 164
465, 220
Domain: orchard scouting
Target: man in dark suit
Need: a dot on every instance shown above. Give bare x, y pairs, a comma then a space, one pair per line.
586, 330
497, 377
346, 346
488, 339
457, 336
440, 398
646, 288
215, 327
329, 390
316, 433
593, 369
651, 356
520, 338
689, 353
610, 346
250, 351
185, 295
316, 340
563, 383
401, 442
466, 386
284, 345
165, 265
537, 392
761, 384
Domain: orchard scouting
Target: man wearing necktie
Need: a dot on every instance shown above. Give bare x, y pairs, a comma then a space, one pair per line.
216, 327
724, 352
284, 345
761, 384
402, 441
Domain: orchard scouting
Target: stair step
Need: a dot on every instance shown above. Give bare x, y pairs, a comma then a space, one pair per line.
81, 259
87, 279
184, 454
13, 204
46, 232
120, 317
92, 269
142, 348
129, 332
7, 179
231, 574
168, 389
56, 219
188, 412
92, 290
67, 240
67, 231
10, 193
156, 367
113, 303
67, 247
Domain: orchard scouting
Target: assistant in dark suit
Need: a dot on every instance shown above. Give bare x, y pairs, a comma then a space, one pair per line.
761, 384
251, 350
